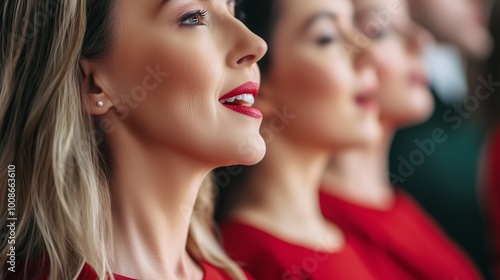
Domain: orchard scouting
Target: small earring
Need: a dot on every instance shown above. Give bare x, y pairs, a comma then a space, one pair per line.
100, 103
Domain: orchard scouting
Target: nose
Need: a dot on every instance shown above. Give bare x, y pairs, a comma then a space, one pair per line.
368, 79
366, 71
418, 38
247, 48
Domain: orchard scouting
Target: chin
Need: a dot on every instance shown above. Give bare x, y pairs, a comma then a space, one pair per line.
480, 52
411, 118
371, 133
477, 46
248, 151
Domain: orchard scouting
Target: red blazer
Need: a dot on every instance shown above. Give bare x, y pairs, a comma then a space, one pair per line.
402, 242
267, 257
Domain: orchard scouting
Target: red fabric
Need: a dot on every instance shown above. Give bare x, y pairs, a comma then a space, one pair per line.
267, 257
493, 194
210, 273
402, 242
87, 273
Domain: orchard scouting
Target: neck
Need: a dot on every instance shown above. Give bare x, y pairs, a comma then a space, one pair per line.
285, 184
152, 197
361, 175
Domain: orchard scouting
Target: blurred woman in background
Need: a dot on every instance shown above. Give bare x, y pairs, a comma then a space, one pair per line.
450, 175
400, 238
317, 99
112, 114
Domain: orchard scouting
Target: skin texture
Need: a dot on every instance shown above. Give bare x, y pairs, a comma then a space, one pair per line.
463, 23
404, 100
163, 144
318, 85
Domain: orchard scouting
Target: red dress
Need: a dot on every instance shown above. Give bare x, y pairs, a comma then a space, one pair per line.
402, 242
210, 273
267, 257
492, 197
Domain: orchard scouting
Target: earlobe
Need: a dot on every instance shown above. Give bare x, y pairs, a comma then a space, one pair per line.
95, 98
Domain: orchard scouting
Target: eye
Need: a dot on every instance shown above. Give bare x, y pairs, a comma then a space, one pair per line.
377, 33
326, 39
194, 18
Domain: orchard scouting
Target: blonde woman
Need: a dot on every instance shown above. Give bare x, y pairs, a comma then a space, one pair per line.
112, 113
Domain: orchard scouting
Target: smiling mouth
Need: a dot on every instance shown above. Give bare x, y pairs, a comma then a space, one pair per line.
245, 99
241, 99
366, 102
419, 79
366, 99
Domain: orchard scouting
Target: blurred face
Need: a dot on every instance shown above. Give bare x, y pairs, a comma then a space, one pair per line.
459, 22
182, 76
395, 45
313, 77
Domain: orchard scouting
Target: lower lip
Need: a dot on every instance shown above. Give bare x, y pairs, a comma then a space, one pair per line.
419, 80
370, 105
245, 110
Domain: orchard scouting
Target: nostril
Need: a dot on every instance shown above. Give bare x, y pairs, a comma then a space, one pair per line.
246, 59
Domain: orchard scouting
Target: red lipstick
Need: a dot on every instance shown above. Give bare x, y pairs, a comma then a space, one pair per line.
419, 79
366, 99
243, 103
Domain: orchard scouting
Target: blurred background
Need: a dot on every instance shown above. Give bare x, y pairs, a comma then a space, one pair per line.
457, 181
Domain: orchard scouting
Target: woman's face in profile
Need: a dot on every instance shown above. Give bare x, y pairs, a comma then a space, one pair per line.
396, 47
314, 77
463, 23
170, 65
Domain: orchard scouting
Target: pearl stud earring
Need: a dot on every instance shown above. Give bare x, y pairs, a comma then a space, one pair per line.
100, 103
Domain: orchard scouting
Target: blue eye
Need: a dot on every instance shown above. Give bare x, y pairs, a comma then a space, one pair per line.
194, 18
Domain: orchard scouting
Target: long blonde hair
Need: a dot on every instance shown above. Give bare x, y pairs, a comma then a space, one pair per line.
62, 197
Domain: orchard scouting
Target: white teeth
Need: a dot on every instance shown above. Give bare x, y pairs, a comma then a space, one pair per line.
247, 98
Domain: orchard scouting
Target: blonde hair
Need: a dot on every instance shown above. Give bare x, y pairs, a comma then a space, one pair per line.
62, 197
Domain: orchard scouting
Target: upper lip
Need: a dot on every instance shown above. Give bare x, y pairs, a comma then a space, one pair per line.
420, 78
367, 92
246, 88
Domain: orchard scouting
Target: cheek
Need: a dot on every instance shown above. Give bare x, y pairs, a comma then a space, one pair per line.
167, 95
320, 92
314, 80
392, 74
400, 101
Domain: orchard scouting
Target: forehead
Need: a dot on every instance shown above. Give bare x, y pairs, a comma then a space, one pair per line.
299, 11
374, 8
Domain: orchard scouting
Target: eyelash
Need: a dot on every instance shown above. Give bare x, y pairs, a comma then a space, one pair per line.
325, 40
200, 16
380, 34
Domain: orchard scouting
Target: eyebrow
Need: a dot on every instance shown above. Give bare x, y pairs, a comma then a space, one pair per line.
318, 16
366, 12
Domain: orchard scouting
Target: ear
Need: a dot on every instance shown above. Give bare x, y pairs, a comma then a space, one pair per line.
96, 99
264, 101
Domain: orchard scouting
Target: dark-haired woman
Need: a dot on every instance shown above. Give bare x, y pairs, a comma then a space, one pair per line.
317, 99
